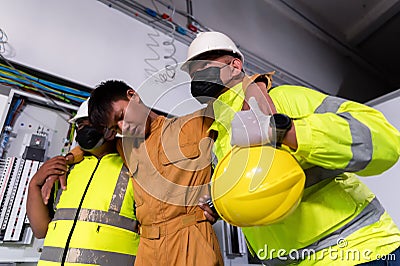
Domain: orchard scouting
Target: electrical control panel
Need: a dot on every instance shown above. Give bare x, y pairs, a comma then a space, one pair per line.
33, 129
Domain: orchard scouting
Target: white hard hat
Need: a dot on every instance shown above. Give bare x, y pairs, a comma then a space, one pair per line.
210, 41
83, 111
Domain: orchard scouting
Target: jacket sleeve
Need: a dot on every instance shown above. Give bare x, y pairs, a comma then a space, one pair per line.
335, 133
77, 154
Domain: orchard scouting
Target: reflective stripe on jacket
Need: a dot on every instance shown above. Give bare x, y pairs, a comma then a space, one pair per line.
104, 232
334, 136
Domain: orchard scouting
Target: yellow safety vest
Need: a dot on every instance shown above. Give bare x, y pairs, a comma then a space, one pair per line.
94, 222
339, 220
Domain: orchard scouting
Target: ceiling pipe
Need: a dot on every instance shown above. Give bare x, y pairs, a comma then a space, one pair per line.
189, 10
253, 63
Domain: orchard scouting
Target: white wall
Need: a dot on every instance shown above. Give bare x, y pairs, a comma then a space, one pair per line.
386, 186
88, 42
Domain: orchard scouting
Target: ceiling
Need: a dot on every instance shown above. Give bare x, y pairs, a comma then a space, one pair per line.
368, 29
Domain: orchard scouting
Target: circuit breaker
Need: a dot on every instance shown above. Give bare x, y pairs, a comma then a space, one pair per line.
32, 131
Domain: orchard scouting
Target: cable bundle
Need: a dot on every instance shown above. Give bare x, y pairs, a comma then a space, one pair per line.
11, 76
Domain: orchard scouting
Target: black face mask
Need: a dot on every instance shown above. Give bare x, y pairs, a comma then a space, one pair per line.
207, 84
89, 138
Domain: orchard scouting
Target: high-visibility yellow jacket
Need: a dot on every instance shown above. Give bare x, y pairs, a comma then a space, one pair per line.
94, 222
339, 220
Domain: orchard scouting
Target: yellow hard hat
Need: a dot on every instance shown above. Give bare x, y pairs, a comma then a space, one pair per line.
257, 185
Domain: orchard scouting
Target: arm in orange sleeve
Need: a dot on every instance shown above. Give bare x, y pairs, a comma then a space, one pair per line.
75, 155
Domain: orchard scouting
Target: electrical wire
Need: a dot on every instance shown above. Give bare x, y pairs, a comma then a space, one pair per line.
151, 46
24, 80
9, 123
77, 95
44, 82
10, 75
170, 67
28, 88
24, 83
12, 112
253, 62
6, 77
17, 111
155, 7
185, 14
3, 41
170, 70
44, 94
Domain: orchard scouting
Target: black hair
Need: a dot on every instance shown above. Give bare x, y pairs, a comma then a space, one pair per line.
101, 99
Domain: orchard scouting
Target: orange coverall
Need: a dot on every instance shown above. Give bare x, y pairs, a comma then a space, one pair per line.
171, 170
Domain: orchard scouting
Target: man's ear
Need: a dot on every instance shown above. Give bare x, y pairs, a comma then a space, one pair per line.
237, 65
130, 93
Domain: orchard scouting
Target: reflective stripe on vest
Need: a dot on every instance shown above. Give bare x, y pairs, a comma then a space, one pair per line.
87, 256
316, 174
119, 191
361, 146
330, 104
97, 216
117, 243
110, 217
369, 215
330, 205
